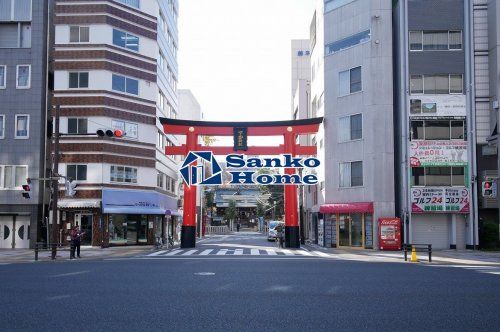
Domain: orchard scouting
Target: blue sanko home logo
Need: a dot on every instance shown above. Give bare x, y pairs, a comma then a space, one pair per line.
245, 171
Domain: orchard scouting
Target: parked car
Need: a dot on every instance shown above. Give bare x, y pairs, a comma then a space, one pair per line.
271, 233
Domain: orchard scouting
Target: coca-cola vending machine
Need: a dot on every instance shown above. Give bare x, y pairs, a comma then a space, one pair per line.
389, 234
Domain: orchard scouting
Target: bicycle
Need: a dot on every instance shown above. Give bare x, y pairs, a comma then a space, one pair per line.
158, 243
170, 242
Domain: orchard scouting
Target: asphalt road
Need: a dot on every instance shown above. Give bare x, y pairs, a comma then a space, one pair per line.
245, 293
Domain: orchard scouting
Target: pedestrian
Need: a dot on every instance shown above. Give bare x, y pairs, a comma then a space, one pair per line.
76, 239
238, 227
73, 237
279, 235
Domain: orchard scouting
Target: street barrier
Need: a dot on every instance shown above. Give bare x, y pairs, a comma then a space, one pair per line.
43, 246
417, 248
217, 229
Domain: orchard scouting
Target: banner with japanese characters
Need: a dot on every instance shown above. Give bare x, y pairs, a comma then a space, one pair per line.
438, 153
440, 199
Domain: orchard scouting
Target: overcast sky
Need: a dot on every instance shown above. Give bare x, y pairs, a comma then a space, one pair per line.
234, 55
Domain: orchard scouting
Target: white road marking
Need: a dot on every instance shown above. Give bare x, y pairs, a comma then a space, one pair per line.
69, 274
206, 252
271, 252
322, 254
221, 252
189, 252
175, 252
158, 253
287, 252
238, 252
304, 253
254, 252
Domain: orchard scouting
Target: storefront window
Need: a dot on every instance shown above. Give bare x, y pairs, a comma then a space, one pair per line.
128, 229
117, 229
356, 230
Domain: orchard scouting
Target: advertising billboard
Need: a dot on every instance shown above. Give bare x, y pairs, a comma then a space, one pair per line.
437, 105
440, 200
438, 153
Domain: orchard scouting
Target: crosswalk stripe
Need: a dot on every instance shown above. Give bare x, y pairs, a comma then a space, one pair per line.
206, 252
304, 253
158, 253
173, 252
254, 252
271, 252
222, 252
287, 252
238, 252
322, 254
189, 252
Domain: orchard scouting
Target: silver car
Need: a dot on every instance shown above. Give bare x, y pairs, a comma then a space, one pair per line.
271, 233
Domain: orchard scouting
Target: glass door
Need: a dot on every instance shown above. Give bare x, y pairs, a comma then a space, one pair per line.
86, 228
344, 230
356, 230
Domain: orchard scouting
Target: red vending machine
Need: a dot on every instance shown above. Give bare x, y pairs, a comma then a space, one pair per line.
389, 234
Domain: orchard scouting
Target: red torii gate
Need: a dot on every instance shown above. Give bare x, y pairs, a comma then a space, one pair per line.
288, 129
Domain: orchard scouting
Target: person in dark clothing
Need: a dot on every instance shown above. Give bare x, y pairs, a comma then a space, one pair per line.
238, 227
280, 235
76, 237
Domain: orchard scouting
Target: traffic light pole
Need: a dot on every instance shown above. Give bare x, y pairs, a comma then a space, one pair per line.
55, 186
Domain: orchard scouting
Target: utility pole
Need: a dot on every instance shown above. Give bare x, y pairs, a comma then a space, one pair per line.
55, 185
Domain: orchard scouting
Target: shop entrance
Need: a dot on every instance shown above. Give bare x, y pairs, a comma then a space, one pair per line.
14, 235
6, 227
350, 230
289, 130
84, 221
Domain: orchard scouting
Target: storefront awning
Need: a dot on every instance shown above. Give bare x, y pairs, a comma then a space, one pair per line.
136, 202
133, 210
79, 203
365, 207
173, 213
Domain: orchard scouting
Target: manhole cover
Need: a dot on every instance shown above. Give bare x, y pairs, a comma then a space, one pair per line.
204, 274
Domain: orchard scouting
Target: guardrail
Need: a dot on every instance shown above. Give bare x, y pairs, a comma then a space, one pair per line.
217, 229
43, 246
418, 248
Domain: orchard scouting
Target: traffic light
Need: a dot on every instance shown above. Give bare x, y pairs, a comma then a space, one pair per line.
27, 189
70, 188
110, 133
489, 188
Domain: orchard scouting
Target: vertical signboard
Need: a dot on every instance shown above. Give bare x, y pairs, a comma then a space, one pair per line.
240, 137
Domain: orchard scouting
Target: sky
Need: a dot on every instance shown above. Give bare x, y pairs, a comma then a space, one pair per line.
235, 55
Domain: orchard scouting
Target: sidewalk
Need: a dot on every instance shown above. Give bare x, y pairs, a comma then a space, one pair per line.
466, 257
87, 252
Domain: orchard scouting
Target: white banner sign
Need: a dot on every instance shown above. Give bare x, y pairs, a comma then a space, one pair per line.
440, 199
438, 153
437, 105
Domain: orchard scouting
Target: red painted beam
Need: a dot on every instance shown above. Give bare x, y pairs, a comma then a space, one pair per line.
252, 150
252, 131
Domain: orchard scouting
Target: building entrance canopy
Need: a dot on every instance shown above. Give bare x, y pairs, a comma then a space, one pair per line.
365, 207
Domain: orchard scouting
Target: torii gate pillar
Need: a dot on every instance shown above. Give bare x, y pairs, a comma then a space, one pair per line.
188, 231
292, 231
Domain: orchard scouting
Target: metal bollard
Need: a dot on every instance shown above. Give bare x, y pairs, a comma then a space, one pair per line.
36, 251
406, 252
430, 252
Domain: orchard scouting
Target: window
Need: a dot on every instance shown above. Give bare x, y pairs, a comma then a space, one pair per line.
76, 172
359, 38
78, 80
15, 35
160, 140
334, 4
350, 81
131, 3
126, 40
455, 40
2, 126
23, 74
15, 10
438, 176
350, 128
13, 176
160, 180
3, 77
435, 40
123, 174
436, 84
22, 126
415, 40
78, 34
438, 130
125, 84
130, 129
77, 126
351, 174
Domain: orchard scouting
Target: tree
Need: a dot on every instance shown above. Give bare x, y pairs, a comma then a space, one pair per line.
231, 210
261, 209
